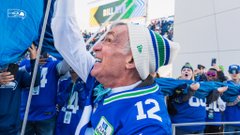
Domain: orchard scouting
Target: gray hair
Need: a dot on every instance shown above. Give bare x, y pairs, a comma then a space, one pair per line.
127, 48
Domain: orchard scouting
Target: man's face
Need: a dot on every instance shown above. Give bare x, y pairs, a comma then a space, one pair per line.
111, 55
201, 70
235, 75
186, 74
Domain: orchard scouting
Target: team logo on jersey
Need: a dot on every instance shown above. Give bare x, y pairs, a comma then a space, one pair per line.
16, 13
10, 85
103, 127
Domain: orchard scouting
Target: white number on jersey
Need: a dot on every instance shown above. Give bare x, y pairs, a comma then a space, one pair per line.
44, 77
196, 102
214, 106
73, 102
151, 112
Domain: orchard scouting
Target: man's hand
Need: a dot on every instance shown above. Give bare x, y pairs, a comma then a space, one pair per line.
217, 67
222, 89
194, 86
196, 71
33, 52
6, 77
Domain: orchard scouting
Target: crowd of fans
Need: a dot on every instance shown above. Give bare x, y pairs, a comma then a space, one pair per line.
163, 26
184, 104
60, 95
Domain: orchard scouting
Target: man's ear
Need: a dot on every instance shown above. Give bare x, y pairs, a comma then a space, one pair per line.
130, 62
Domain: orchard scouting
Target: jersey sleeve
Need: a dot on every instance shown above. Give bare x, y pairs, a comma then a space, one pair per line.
68, 38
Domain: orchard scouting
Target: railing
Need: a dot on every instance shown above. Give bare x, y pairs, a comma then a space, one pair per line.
203, 123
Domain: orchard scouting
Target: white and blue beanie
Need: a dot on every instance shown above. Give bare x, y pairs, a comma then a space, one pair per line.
150, 50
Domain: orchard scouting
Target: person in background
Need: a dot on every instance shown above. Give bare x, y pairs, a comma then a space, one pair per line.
42, 111
200, 73
216, 108
191, 107
10, 95
71, 102
220, 73
233, 107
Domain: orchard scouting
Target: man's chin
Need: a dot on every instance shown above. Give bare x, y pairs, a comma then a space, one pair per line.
93, 72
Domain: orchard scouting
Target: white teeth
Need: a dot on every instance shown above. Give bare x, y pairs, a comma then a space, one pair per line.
98, 60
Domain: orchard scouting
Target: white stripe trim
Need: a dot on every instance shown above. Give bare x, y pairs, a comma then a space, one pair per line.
85, 118
156, 87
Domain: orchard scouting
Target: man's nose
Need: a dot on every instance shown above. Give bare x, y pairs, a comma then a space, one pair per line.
97, 47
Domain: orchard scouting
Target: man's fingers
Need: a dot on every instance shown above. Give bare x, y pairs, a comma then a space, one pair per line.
195, 86
8, 77
222, 89
5, 73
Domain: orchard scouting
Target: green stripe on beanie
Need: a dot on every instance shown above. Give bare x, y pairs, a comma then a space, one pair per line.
161, 49
149, 49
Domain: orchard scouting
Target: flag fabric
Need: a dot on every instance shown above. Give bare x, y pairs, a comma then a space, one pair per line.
20, 26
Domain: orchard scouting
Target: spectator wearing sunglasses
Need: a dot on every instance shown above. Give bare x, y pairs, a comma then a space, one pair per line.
216, 108
233, 108
212, 74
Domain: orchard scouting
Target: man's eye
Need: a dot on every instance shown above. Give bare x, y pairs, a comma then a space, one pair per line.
107, 40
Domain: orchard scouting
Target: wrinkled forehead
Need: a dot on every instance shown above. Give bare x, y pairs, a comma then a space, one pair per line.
118, 31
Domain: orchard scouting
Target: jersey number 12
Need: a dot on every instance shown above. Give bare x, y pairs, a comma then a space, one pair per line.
151, 112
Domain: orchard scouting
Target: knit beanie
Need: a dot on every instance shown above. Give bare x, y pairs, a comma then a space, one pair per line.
150, 50
187, 65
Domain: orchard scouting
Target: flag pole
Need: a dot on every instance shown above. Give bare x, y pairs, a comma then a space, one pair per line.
36, 67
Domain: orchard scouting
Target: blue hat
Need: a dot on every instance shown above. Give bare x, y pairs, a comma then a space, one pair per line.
234, 69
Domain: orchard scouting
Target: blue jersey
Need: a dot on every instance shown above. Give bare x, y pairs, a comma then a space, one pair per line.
20, 26
169, 85
10, 98
70, 114
194, 110
216, 113
231, 113
232, 93
140, 110
63, 93
43, 104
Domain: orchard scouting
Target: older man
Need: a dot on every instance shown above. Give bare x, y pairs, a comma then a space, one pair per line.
127, 101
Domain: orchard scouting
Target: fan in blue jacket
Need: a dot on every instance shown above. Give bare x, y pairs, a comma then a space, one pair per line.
232, 99
10, 97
